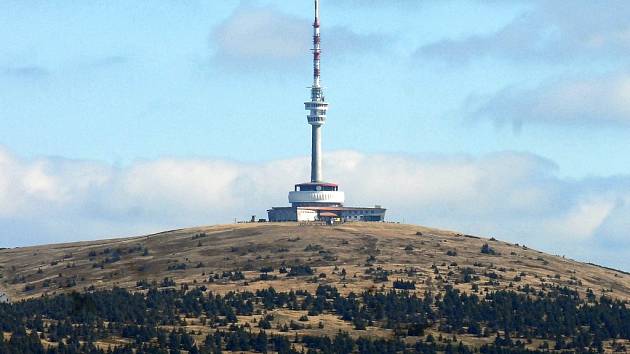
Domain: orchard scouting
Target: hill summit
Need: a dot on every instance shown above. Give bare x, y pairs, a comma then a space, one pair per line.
295, 288
373, 255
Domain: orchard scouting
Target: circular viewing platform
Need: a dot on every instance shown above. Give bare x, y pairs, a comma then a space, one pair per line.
316, 194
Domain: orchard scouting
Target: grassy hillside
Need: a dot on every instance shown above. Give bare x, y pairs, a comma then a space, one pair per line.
366, 251
390, 287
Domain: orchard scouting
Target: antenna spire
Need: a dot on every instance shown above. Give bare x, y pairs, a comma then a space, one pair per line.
316, 47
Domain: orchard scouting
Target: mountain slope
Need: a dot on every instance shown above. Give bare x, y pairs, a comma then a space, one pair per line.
290, 289
230, 257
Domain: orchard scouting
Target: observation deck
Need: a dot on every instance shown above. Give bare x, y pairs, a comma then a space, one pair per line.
316, 194
317, 112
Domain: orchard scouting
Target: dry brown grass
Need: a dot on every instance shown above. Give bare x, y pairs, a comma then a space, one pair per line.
248, 247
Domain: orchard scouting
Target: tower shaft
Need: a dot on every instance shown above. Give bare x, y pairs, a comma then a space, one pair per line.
317, 106
316, 154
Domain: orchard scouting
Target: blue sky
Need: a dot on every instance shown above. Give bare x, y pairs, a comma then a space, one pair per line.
506, 118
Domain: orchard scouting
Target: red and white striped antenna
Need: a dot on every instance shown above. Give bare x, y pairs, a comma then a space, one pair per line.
317, 50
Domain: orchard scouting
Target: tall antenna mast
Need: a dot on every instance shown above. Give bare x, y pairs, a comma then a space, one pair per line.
316, 47
317, 107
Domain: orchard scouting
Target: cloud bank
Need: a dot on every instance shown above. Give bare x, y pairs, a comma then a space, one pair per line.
601, 100
575, 42
512, 196
265, 35
549, 31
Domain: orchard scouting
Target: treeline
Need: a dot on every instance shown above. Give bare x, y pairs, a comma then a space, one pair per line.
74, 322
238, 339
558, 315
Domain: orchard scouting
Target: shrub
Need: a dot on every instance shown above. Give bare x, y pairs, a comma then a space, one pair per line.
179, 266
266, 269
467, 274
266, 276
233, 276
300, 270
359, 324
380, 276
198, 236
167, 282
313, 248
404, 285
264, 324
115, 257
486, 249
492, 275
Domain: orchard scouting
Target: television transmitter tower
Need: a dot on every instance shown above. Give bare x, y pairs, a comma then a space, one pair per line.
318, 200
317, 106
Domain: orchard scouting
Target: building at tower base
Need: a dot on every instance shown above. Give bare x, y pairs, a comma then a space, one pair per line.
327, 214
317, 201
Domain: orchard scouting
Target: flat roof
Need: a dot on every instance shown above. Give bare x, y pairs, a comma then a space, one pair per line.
328, 208
323, 184
342, 208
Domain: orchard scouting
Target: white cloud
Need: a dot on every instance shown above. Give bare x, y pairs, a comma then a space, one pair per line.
601, 99
573, 43
264, 35
512, 196
550, 31
582, 221
262, 32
